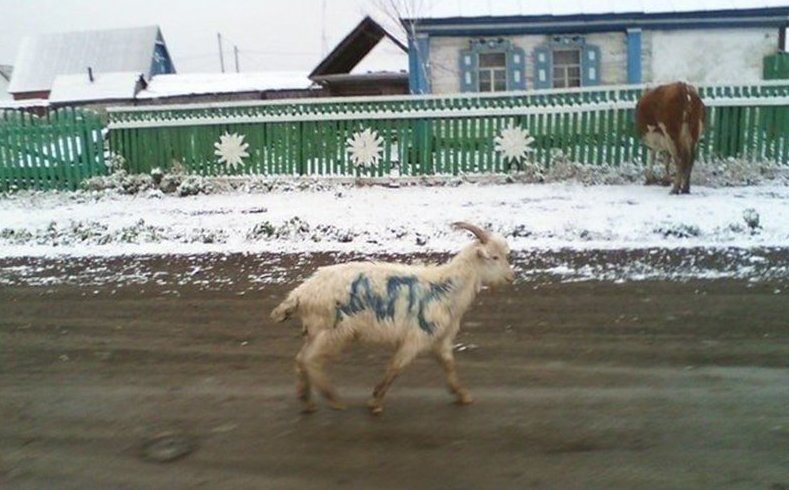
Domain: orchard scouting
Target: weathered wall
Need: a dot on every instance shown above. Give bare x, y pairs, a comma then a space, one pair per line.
700, 56
720, 55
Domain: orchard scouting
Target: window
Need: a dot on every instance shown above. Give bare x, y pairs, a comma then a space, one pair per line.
492, 65
492, 72
566, 68
566, 62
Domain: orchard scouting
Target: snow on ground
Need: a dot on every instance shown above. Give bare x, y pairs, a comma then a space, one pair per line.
380, 220
242, 240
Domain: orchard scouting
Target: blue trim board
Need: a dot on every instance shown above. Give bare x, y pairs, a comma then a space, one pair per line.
550, 24
634, 56
418, 80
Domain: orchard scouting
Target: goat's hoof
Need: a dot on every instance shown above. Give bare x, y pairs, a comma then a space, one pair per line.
338, 405
464, 399
376, 408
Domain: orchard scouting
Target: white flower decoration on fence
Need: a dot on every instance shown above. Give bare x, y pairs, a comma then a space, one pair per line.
514, 143
231, 149
365, 148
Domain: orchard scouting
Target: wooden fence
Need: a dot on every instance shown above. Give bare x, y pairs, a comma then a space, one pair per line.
371, 136
435, 135
57, 150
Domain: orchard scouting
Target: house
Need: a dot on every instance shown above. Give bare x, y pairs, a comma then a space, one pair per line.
5, 79
484, 46
91, 66
370, 60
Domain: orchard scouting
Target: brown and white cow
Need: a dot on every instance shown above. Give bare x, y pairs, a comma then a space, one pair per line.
670, 119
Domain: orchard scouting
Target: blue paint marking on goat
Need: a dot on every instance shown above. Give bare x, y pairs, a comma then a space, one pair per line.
363, 297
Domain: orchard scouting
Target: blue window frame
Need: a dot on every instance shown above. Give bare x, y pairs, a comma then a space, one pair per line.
566, 62
492, 66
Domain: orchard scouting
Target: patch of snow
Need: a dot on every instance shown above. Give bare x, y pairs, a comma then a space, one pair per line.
382, 219
218, 83
105, 86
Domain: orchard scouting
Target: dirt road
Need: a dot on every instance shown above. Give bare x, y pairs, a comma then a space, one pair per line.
585, 385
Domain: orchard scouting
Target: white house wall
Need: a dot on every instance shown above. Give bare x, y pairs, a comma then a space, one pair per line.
445, 58
699, 56
713, 56
613, 56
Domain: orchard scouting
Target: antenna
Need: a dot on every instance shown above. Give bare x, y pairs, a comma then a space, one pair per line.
324, 40
221, 56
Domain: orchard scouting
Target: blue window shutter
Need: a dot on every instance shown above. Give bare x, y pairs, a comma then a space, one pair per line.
634, 56
590, 65
542, 67
468, 71
515, 63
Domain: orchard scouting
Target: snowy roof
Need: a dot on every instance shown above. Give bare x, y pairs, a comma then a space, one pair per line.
21, 104
218, 83
105, 86
364, 45
504, 8
386, 56
41, 58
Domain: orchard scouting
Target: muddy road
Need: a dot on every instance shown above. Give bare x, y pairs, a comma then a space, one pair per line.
589, 384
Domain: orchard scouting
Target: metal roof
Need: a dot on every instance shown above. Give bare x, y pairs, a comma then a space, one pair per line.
507, 8
41, 58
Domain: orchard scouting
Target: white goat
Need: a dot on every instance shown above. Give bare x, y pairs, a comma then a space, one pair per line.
415, 308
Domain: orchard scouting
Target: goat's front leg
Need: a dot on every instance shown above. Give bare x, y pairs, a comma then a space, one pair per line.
444, 355
403, 357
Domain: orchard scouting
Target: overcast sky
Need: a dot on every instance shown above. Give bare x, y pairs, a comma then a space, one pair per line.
271, 34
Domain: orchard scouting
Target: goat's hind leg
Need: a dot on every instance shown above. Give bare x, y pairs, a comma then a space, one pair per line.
303, 385
402, 358
310, 363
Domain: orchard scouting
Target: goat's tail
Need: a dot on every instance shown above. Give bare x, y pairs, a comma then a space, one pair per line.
286, 308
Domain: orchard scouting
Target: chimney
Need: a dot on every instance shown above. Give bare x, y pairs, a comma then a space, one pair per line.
90, 74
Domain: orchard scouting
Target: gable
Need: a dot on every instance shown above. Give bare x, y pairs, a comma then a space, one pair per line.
354, 48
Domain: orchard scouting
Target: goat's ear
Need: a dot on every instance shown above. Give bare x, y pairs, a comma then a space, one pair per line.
482, 253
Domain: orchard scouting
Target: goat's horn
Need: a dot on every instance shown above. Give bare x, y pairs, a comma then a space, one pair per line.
481, 234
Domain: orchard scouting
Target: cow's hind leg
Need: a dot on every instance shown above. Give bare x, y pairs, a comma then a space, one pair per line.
666, 169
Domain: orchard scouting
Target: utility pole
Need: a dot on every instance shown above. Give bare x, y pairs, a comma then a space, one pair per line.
235, 52
221, 56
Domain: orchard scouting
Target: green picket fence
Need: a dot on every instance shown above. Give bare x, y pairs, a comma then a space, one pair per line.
55, 151
439, 135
